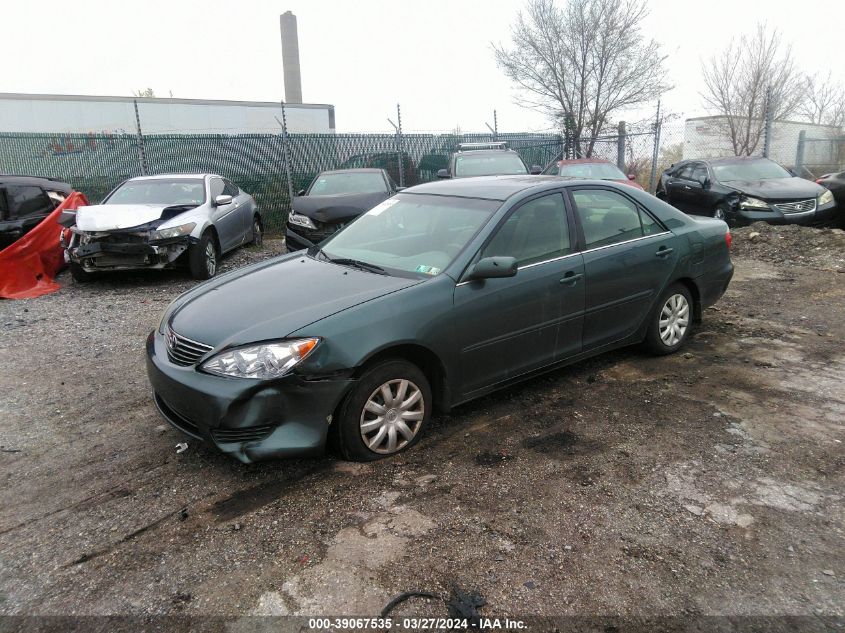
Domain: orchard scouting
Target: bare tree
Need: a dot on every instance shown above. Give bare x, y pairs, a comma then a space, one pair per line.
824, 102
144, 92
750, 75
582, 61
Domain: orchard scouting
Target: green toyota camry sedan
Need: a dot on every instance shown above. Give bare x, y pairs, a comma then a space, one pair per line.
439, 295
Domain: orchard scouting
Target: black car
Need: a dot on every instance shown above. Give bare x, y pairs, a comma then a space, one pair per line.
745, 190
25, 201
836, 184
333, 200
485, 159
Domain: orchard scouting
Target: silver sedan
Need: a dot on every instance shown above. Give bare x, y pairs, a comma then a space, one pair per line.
160, 221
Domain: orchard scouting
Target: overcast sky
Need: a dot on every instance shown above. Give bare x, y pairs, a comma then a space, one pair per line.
363, 56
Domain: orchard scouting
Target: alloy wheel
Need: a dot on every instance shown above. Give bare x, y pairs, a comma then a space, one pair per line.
210, 258
674, 320
392, 416
719, 214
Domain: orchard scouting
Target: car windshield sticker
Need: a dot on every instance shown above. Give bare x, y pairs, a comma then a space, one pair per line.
381, 208
428, 270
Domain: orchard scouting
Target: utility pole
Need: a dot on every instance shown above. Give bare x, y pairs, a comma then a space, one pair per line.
286, 150
398, 130
767, 134
652, 185
495, 128
142, 155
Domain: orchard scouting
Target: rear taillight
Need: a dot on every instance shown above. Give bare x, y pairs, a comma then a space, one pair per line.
728, 239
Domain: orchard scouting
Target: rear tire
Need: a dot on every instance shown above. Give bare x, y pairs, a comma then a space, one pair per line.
257, 232
385, 413
203, 257
79, 274
670, 322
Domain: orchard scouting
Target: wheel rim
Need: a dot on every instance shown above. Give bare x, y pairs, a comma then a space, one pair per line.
210, 259
674, 320
392, 416
719, 214
256, 233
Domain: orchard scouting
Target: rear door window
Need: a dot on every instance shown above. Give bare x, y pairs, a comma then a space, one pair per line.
609, 218
27, 201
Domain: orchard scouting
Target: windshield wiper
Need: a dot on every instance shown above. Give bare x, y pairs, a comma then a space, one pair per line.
357, 263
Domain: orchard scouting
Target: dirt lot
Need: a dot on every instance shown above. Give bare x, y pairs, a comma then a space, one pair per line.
709, 482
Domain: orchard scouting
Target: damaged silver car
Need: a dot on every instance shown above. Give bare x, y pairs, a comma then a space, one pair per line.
161, 222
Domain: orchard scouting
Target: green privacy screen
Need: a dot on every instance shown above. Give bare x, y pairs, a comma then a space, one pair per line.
96, 163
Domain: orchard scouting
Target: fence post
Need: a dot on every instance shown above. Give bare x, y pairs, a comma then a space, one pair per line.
142, 154
286, 150
767, 130
799, 152
620, 146
652, 185
399, 145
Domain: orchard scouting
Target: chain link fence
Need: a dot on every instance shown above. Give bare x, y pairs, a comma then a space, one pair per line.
96, 163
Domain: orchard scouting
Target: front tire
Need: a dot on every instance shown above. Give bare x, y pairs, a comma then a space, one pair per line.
203, 257
670, 322
386, 412
721, 212
79, 274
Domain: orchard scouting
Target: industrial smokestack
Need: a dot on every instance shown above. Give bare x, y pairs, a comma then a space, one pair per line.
290, 58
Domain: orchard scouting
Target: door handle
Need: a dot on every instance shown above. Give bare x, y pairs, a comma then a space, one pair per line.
571, 278
663, 251
687, 187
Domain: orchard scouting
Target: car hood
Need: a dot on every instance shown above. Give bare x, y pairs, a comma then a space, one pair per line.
777, 188
342, 206
112, 217
273, 299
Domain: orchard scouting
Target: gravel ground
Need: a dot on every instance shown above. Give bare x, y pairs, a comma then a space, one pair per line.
708, 482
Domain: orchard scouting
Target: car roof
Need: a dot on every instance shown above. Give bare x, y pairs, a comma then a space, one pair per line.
499, 187
355, 170
485, 152
584, 161
167, 176
732, 160
40, 181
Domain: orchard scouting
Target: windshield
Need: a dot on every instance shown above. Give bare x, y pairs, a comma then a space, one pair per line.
188, 191
494, 164
412, 233
749, 170
361, 182
599, 171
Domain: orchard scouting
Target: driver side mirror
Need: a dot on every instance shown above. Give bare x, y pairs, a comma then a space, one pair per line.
536, 170
443, 173
632, 176
704, 182
494, 268
222, 200
301, 192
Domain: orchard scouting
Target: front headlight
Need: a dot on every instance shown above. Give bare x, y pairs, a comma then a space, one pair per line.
261, 362
174, 231
301, 220
753, 203
826, 197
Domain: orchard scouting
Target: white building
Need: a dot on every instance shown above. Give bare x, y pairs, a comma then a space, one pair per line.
706, 137
74, 114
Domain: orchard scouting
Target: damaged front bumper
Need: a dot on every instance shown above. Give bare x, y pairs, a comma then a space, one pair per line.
251, 420
123, 250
